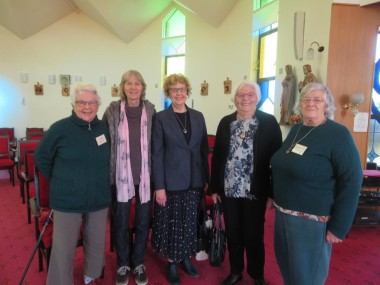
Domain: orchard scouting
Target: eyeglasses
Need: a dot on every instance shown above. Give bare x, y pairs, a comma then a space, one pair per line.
307, 100
84, 103
176, 90
249, 96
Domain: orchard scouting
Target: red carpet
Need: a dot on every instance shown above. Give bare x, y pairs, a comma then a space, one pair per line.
354, 262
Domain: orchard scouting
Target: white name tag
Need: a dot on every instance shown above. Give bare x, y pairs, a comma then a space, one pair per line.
299, 149
101, 140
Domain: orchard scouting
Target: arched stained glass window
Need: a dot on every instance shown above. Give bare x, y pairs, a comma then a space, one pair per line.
173, 46
373, 154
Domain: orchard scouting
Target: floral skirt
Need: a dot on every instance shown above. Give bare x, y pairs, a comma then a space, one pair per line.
174, 229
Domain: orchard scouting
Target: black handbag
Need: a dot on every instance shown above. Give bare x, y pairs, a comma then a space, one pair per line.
204, 234
218, 243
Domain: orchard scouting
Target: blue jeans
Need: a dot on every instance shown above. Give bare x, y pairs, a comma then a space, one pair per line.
130, 252
302, 252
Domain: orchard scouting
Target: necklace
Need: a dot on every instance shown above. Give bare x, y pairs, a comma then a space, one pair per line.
184, 130
296, 142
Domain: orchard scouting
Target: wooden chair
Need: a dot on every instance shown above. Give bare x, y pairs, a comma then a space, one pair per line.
28, 178
211, 142
39, 205
6, 158
34, 133
41, 210
11, 136
23, 145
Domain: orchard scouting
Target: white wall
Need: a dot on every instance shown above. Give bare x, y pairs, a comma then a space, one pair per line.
77, 45
317, 29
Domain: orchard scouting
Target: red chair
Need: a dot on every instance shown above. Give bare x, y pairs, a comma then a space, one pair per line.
6, 158
23, 145
211, 142
11, 136
28, 178
36, 136
33, 133
39, 205
41, 211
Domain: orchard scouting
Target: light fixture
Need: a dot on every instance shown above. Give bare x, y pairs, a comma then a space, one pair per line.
354, 100
310, 51
24, 77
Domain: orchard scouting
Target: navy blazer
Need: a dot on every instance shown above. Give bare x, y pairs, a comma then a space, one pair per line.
177, 165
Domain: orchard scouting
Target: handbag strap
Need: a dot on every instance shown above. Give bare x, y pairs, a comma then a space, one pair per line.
217, 216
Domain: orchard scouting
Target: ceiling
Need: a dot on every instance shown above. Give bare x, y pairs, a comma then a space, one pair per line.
125, 18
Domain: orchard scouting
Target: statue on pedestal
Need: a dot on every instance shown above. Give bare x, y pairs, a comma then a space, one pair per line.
288, 97
309, 77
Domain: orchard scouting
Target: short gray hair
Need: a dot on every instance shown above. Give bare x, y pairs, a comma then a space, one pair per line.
80, 87
253, 85
329, 99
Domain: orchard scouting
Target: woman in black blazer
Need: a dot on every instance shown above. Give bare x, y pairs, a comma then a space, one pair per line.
180, 173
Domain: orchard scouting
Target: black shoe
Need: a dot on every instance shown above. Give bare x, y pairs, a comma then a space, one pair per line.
122, 275
232, 279
173, 276
189, 268
260, 281
141, 277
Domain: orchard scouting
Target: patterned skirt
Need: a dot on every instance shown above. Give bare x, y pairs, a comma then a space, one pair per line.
174, 229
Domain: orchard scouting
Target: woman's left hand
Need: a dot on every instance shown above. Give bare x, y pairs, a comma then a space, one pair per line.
270, 203
331, 238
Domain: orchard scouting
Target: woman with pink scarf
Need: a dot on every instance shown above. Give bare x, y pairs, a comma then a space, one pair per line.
130, 123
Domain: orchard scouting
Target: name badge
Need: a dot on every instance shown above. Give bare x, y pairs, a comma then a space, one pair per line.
101, 140
299, 149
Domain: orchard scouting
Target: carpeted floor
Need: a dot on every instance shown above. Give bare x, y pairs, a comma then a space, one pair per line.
354, 262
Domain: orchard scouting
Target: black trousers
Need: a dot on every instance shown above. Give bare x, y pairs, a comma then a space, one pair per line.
244, 220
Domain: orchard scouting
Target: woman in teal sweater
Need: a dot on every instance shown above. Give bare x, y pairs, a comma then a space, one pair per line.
317, 177
74, 156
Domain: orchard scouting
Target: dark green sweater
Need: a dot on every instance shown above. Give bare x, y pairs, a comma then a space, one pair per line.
325, 180
76, 166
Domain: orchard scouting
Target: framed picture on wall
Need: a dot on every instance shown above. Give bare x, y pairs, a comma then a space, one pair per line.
114, 91
65, 90
64, 79
227, 86
38, 89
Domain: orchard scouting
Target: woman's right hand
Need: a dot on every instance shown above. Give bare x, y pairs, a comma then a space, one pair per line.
161, 197
216, 198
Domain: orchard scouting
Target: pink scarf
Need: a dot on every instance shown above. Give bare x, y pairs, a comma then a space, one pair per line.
124, 179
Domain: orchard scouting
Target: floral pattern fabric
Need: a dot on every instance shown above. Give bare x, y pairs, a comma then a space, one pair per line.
239, 166
322, 219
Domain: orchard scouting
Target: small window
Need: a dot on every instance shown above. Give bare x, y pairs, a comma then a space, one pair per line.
257, 4
266, 67
373, 154
173, 46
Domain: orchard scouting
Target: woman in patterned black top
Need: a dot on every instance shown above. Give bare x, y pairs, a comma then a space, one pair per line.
241, 180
